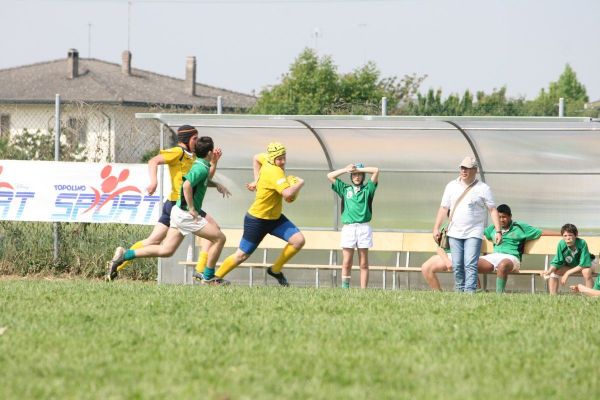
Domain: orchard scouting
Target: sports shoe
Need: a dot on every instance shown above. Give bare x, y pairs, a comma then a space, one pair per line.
198, 276
215, 281
117, 260
279, 276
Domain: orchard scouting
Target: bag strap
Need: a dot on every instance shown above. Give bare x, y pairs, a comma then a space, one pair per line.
460, 198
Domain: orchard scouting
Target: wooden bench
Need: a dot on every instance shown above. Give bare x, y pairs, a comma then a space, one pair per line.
397, 243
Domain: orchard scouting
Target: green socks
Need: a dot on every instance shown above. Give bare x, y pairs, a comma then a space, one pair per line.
129, 255
209, 273
500, 285
345, 282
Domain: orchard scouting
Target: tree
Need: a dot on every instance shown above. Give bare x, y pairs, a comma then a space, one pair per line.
495, 103
567, 87
313, 86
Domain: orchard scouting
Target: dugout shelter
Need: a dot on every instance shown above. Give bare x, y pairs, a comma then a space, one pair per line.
546, 169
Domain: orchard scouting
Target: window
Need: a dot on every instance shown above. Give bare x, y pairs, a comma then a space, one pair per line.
78, 128
4, 125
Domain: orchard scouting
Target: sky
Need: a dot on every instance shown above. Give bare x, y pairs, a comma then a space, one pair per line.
247, 46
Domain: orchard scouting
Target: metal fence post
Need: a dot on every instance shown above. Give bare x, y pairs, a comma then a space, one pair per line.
219, 105
384, 106
55, 232
561, 107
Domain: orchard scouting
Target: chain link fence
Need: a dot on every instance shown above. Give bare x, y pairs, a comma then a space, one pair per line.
99, 133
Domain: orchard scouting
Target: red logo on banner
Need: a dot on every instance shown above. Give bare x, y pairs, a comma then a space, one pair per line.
5, 184
109, 184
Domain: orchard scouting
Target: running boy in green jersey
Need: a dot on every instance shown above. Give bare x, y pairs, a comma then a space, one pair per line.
357, 210
507, 255
185, 216
572, 256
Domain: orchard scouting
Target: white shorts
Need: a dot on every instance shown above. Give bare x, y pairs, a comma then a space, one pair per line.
357, 236
184, 222
495, 258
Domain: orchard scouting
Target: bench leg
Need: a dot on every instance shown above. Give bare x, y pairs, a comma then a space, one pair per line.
317, 277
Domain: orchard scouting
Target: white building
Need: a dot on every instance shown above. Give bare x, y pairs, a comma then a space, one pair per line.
100, 101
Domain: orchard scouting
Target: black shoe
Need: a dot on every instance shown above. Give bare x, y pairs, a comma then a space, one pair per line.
279, 276
215, 281
117, 260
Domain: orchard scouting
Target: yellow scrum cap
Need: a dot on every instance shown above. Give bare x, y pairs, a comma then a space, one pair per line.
274, 150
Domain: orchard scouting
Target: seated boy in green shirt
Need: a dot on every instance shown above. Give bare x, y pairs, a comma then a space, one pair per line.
572, 256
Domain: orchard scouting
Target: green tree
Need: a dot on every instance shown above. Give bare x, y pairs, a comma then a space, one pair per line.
313, 86
493, 104
567, 87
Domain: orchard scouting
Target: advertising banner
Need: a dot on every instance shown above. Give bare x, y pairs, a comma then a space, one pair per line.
78, 192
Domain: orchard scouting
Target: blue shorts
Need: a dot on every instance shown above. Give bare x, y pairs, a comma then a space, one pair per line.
255, 230
165, 218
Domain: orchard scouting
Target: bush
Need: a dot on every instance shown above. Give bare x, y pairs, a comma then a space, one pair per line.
28, 248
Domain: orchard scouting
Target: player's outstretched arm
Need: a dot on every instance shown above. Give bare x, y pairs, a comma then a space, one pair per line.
153, 164
217, 153
256, 165
220, 188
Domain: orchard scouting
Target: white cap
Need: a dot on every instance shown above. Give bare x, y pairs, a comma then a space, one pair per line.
468, 162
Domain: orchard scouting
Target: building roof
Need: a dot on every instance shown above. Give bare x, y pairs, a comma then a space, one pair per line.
104, 82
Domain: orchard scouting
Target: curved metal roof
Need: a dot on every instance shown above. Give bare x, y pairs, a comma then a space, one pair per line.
546, 169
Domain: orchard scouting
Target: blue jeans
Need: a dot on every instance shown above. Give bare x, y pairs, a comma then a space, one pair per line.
465, 254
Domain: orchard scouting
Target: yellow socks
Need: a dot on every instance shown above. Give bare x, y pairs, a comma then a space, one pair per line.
228, 264
288, 252
201, 264
136, 245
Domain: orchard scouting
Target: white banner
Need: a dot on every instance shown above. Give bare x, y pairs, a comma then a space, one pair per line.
78, 192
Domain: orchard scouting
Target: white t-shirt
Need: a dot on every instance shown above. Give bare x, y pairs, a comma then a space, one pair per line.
470, 216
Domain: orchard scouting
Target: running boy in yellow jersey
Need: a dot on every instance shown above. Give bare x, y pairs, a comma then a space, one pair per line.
180, 160
265, 217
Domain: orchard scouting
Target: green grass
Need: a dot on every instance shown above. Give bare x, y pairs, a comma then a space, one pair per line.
87, 339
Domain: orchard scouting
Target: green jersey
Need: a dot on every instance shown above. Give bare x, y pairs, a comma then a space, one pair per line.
198, 178
514, 238
597, 283
567, 257
357, 201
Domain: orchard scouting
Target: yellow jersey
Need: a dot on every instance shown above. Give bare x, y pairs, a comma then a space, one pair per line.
180, 162
271, 183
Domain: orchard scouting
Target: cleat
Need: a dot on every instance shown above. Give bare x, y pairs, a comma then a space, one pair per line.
215, 281
117, 260
198, 276
279, 276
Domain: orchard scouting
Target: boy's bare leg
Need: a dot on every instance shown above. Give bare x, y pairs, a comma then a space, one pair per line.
347, 256
363, 262
212, 233
430, 268
171, 242
585, 290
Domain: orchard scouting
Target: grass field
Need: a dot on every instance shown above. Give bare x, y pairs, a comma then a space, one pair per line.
87, 339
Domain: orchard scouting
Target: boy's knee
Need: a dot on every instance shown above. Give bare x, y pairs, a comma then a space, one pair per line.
299, 242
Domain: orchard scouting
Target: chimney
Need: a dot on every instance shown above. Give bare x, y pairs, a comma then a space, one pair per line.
126, 62
190, 76
73, 64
